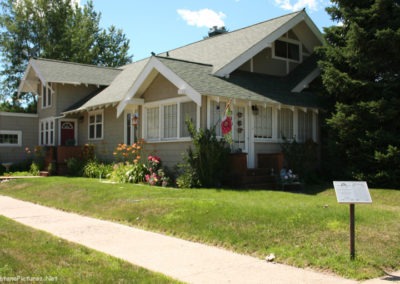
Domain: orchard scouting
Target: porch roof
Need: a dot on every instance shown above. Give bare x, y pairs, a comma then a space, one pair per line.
242, 85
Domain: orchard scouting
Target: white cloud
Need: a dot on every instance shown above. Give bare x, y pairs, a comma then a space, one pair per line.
202, 18
298, 4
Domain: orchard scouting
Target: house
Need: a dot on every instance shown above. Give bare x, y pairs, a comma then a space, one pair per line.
263, 71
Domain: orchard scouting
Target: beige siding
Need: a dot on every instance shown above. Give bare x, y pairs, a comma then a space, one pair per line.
170, 152
306, 36
160, 89
113, 133
264, 63
48, 111
28, 125
67, 95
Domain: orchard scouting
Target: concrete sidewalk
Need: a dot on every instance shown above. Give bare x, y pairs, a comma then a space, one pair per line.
183, 260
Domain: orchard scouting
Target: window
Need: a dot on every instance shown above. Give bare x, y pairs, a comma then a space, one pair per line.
96, 125
170, 121
263, 123
217, 113
188, 112
46, 95
305, 125
285, 124
167, 121
46, 132
10, 138
153, 123
287, 50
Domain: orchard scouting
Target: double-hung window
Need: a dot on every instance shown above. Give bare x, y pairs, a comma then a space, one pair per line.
263, 123
285, 123
46, 93
46, 132
10, 138
96, 123
168, 121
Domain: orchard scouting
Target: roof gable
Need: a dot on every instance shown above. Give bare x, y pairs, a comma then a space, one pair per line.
228, 51
153, 67
66, 73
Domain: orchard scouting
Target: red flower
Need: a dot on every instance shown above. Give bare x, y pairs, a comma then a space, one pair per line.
226, 125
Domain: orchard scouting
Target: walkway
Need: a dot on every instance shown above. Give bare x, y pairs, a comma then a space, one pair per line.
183, 260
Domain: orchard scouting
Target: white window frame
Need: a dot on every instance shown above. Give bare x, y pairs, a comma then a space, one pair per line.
46, 92
50, 131
160, 105
95, 113
12, 132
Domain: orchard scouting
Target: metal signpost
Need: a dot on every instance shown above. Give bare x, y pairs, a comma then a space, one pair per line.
352, 192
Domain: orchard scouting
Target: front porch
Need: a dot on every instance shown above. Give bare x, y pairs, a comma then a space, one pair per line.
265, 176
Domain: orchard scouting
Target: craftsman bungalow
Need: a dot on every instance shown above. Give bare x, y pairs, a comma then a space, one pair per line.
264, 70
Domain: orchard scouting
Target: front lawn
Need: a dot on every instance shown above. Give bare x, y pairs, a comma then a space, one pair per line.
300, 229
30, 256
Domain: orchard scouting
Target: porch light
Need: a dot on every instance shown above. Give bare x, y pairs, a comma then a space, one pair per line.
254, 108
135, 119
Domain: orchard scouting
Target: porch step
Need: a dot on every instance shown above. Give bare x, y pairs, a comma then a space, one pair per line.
253, 179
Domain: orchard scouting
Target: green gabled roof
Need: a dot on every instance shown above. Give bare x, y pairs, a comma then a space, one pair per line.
73, 73
240, 85
114, 93
222, 49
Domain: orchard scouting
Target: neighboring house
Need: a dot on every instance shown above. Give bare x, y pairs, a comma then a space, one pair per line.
263, 70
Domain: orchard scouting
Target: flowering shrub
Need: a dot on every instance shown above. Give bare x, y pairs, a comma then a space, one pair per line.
156, 175
37, 156
130, 167
129, 153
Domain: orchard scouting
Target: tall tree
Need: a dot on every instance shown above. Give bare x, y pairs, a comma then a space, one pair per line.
360, 71
54, 29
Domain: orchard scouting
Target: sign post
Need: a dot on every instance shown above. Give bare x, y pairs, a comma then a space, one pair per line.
352, 192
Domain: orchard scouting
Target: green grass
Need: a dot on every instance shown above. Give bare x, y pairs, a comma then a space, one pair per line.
27, 255
302, 230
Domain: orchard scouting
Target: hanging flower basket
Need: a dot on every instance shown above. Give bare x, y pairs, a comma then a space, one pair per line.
226, 125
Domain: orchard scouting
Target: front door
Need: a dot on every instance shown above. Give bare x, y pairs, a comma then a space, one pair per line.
239, 129
68, 133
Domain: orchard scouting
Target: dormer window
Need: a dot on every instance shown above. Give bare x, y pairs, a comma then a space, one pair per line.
287, 50
46, 96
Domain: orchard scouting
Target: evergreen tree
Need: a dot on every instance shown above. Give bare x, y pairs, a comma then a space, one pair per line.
54, 29
360, 71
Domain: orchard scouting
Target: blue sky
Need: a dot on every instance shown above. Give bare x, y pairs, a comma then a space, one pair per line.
158, 26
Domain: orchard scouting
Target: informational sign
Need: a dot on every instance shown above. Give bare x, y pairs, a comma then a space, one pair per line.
352, 192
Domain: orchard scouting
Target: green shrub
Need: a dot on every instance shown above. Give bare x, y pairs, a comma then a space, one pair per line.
96, 169
204, 165
127, 172
34, 169
302, 158
74, 167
